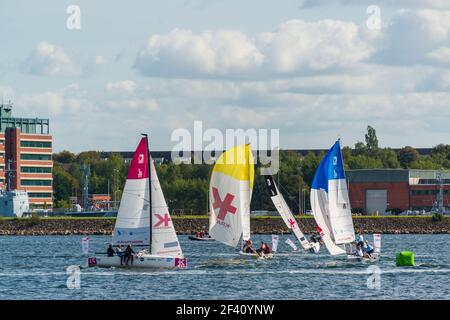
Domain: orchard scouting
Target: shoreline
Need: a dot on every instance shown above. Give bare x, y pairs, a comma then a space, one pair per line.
186, 225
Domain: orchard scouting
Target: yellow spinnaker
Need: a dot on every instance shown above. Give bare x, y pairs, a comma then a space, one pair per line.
238, 163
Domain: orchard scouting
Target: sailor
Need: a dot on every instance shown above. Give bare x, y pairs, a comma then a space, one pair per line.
110, 251
359, 251
369, 248
203, 233
315, 237
129, 252
263, 249
120, 253
248, 247
360, 240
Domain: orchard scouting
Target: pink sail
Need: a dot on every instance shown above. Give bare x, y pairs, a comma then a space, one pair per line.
139, 164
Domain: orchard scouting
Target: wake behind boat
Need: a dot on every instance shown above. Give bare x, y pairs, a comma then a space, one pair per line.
143, 220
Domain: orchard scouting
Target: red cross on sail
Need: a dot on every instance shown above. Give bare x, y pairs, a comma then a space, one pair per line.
230, 196
292, 223
224, 206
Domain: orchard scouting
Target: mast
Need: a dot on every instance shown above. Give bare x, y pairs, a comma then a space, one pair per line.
149, 190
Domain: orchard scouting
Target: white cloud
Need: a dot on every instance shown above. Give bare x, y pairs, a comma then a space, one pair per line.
298, 46
440, 55
50, 60
125, 86
182, 52
412, 35
295, 47
436, 4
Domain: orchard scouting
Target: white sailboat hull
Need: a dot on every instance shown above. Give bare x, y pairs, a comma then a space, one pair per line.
141, 261
374, 258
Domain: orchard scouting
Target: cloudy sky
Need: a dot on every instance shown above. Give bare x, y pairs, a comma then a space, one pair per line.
315, 69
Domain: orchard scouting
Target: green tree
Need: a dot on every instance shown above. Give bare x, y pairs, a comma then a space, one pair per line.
407, 155
389, 158
360, 149
364, 162
63, 183
309, 166
425, 164
64, 157
371, 141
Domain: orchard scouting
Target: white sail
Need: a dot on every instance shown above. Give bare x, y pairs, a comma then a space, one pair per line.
164, 238
230, 195
377, 242
330, 202
285, 212
133, 219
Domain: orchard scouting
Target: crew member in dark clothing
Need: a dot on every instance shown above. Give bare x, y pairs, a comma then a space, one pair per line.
248, 247
129, 254
264, 249
315, 237
110, 251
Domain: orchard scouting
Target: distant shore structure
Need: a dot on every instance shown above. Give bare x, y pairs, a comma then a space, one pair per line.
26, 144
384, 190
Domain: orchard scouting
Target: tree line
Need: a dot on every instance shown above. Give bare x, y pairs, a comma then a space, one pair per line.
185, 186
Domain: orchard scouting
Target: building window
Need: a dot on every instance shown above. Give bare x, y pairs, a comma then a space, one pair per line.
425, 192
31, 156
39, 195
36, 182
35, 144
36, 170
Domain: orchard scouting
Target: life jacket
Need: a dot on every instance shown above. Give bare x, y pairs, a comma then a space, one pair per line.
266, 248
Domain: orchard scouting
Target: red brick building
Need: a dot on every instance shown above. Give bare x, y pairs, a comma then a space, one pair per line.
382, 190
27, 146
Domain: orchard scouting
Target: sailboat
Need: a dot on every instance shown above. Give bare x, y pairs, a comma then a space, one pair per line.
331, 205
143, 219
230, 194
287, 216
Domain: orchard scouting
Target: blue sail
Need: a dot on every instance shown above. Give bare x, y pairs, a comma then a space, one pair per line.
330, 202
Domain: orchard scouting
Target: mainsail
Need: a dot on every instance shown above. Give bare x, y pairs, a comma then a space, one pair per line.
230, 194
330, 202
285, 212
133, 219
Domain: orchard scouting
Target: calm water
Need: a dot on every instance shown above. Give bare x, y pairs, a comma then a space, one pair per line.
35, 268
